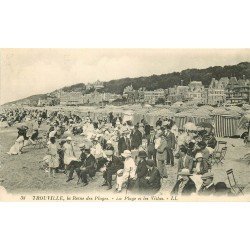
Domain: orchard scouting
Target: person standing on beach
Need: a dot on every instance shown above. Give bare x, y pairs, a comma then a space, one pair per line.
69, 153
53, 161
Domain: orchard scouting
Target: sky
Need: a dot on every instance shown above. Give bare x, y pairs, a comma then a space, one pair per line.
25, 72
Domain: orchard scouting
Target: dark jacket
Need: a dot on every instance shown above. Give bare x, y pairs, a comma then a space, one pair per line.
82, 157
90, 164
103, 143
158, 123
170, 138
123, 144
115, 164
141, 183
151, 142
207, 191
136, 139
147, 129
188, 189
142, 169
212, 142
161, 150
154, 181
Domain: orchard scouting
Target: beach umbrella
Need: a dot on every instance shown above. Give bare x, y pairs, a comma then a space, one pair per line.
190, 126
205, 125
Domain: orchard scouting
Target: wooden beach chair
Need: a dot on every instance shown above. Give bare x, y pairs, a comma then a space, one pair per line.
237, 189
220, 145
219, 154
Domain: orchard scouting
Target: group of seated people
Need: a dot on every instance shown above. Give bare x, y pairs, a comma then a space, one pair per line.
138, 155
23, 140
138, 175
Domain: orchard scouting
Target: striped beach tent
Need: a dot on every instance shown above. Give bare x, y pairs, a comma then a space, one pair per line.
180, 121
197, 120
225, 125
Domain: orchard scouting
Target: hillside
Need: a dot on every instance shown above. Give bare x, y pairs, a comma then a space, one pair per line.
31, 99
169, 80
163, 81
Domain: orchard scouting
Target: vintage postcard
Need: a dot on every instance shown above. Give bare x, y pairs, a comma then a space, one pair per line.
124, 125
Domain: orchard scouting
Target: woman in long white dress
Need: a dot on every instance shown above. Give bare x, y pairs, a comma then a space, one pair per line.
54, 158
17, 147
69, 154
129, 171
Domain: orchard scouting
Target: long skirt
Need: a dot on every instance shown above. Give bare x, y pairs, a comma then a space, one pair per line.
16, 148
53, 162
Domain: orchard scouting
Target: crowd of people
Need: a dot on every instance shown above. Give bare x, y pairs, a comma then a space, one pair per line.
135, 157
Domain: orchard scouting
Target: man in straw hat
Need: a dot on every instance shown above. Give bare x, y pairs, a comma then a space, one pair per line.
184, 185
111, 166
208, 187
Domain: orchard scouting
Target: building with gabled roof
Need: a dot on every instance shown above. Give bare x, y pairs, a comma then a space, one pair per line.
216, 93
238, 91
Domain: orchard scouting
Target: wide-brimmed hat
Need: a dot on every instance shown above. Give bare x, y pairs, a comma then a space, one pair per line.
207, 176
126, 153
142, 154
150, 163
68, 138
198, 155
185, 172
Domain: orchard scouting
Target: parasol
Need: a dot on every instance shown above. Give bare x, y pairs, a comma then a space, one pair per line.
190, 126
